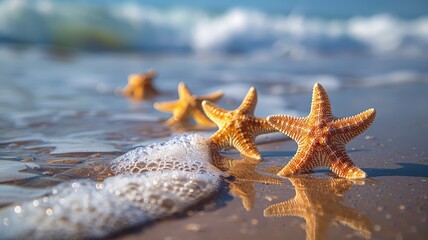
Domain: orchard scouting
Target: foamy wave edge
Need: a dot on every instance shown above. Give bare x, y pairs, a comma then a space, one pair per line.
150, 183
129, 26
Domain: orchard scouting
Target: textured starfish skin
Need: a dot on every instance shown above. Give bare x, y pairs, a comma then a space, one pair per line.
238, 128
188, 106
245, 177
321, 138
140, 86
319, 202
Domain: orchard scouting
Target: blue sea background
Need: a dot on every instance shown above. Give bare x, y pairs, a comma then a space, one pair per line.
281, 27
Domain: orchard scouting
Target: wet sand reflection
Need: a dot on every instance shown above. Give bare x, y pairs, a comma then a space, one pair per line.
245, 177
320, 203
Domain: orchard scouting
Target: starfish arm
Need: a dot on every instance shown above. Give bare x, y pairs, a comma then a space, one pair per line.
213, 112
248, 105
182, 112
183, 91
348, 128
291, 126
151, 74
212, 97
320, 107
172, 120
202, 119
262, 126
126, 90
302, 162
342, 165
220, 139
166, 106
243, 141
291, 207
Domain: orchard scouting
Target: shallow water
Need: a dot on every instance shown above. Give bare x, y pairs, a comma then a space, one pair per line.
62, 119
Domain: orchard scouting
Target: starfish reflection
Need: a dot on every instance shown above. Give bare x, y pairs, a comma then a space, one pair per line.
319, 202
245, 177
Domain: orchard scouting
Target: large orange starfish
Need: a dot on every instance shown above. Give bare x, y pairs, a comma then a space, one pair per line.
319, 202
140, 86
238, 128
188, 106
321, 138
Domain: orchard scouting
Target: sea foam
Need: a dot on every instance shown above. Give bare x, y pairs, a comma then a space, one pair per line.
149, 183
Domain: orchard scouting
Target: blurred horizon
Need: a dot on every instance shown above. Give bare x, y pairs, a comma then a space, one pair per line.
292, 28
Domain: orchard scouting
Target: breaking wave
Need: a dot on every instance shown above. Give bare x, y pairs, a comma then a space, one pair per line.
133, 27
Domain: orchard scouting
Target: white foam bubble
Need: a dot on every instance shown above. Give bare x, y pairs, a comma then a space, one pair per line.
152, 182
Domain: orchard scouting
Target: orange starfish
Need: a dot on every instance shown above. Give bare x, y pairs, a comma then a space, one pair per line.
322, 138
188, 106
319, 202
140, 86
238, 128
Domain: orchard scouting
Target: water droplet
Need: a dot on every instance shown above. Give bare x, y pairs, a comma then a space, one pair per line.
377, 228
36, 203
6, 221
49, 211
18, 209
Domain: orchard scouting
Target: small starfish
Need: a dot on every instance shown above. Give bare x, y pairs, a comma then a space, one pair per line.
245, 176
322, 138
238, 128
319, 202
140, 86
188, 106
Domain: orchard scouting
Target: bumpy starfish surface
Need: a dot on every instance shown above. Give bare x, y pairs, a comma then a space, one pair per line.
238, 128
140, 86
245, 177
188, 106
321, 138
319, 202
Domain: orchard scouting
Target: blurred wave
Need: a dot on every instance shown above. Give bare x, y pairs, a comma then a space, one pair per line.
133, 27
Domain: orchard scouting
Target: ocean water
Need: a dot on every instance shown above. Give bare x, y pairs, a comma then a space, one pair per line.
63, 63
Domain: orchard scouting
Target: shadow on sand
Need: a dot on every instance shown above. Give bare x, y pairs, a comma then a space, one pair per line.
405, 169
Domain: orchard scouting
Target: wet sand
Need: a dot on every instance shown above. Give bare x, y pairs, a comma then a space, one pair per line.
392, 203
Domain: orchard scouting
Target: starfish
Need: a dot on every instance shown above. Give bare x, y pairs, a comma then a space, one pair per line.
188, 106
321, 138
238, 128
245, 176
140, 86
319, 202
